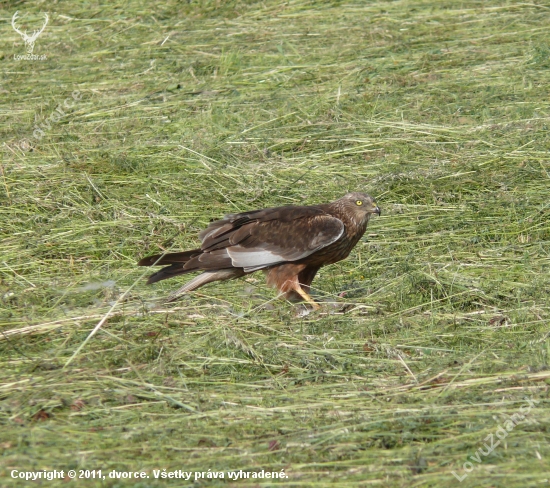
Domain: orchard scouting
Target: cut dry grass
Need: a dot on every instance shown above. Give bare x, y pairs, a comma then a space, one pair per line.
185, 112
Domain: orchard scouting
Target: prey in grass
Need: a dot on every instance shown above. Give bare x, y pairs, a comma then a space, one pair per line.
290, 244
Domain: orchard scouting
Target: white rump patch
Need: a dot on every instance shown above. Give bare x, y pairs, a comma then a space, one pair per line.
253, 258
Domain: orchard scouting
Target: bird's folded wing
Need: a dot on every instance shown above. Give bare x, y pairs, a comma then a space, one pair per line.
218, 230
267, 237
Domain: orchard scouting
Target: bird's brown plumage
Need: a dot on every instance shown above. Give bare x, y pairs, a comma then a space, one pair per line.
289, 243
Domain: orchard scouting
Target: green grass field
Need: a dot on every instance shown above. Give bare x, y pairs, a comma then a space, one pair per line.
432, 334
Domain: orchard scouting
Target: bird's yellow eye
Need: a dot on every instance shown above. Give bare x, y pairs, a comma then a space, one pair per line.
358, 202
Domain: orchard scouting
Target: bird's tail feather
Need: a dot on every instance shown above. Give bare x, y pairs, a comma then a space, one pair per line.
168, 272
203, 279
173, 258
176, 260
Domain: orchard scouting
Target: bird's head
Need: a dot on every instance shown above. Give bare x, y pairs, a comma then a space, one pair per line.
359, 205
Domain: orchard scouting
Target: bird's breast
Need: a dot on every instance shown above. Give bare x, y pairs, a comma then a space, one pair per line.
342, 247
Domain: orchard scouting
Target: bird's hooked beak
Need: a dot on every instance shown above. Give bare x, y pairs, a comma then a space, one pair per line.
377, 210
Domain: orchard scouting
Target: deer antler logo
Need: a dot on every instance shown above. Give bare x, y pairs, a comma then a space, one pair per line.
29, 40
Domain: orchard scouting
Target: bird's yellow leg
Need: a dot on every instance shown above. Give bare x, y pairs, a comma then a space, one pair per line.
307, 298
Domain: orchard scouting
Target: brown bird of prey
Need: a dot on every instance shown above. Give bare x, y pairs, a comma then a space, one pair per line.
288, 243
